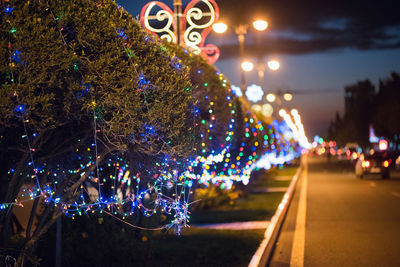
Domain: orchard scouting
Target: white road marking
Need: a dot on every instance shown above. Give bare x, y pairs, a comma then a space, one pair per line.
297, 257
396, 194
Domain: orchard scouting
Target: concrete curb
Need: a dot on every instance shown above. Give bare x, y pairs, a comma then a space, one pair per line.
264, 251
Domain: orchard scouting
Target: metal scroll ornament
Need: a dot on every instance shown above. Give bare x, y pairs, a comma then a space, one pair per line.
194, 25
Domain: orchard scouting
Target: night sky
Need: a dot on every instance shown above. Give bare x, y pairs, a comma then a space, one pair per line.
322, 46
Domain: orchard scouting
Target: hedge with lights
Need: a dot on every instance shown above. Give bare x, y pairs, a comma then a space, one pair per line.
96, 115
81, 82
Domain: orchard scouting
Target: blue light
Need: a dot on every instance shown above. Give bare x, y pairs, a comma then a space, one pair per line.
142, 79
16, 56
8, 10
121, 34
20, 109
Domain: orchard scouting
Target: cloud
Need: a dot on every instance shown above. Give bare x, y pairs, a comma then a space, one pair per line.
308, 26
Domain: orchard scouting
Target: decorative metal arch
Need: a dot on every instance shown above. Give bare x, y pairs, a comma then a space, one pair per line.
195, 23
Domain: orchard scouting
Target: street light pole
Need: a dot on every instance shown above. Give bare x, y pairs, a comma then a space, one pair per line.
240, 31
260, 71
178, 15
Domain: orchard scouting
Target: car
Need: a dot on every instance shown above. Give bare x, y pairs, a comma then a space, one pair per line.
376, 163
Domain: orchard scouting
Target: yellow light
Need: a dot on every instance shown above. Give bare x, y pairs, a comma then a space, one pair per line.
270, 97
220, 27
267, 110
288, 96
260, 25
386, 164
273, 65
247, 66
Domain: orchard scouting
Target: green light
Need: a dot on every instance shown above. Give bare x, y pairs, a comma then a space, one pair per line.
130, 53
206, 84
13, 30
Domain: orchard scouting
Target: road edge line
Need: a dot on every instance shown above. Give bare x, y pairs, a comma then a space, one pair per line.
264, 251
298, 247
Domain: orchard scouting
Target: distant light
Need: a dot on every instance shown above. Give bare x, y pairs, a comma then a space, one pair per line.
247, 66
288, 97
254, 93
271, 97
220, 27
273, 64
260, 25
386, 164
365, 164
267, 110
383, 145
282, 112
294, 112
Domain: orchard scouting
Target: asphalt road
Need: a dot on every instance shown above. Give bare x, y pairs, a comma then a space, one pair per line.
340, 220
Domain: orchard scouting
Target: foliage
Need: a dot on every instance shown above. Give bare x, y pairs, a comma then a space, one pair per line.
210, 91
213, 197
82, 73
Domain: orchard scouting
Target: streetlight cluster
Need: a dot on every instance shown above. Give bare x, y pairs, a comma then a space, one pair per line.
241, 31
253, 92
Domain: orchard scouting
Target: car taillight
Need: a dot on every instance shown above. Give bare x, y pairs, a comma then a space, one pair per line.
365, 163
385, 164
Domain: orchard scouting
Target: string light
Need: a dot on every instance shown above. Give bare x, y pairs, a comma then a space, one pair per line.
165, 187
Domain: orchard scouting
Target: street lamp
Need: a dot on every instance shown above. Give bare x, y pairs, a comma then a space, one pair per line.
273, 64
241, 31
260, 25
247, 66
220, 27
288, 97
271, 97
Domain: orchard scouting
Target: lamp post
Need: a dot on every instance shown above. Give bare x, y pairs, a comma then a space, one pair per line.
241, 31
273, 65
178, 16
279, 97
